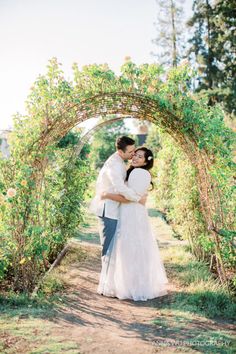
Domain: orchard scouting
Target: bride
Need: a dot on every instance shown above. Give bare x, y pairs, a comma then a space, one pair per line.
132, 267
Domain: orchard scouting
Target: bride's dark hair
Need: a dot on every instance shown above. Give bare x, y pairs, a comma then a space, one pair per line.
148, 155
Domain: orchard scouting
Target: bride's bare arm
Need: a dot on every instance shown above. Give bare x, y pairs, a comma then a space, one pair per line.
116, 197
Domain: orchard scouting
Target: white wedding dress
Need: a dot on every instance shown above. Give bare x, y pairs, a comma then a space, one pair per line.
132, 267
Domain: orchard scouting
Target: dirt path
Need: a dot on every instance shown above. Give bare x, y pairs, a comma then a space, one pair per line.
107, 325
101, 324
86, 322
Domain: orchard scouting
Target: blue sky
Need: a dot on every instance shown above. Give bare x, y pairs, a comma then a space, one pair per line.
82, 31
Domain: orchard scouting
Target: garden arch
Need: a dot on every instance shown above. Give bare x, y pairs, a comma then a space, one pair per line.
140, 107
138, 92
143, 108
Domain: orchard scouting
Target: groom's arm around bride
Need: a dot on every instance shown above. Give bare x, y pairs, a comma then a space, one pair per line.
111, 179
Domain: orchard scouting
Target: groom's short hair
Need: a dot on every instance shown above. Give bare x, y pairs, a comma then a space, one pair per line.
123, 141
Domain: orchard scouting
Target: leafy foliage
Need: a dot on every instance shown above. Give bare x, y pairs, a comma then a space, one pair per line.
43, 187
43, 214
178, 198
103, 143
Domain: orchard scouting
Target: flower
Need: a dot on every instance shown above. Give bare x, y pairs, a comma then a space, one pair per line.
184, 62
22, 261
11, 192
127, 58
23, 183
150, 158
151, 89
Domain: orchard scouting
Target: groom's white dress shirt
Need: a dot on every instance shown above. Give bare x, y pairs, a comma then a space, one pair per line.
111, 180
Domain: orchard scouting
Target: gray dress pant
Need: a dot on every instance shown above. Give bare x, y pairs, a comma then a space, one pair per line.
107, 229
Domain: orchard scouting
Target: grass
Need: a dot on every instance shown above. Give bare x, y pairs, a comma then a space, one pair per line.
88, 231
58, 279
200, 315
27, 324
50, 294
200, 292
33, 336
14, 304
186, 331
197, 316
55, 346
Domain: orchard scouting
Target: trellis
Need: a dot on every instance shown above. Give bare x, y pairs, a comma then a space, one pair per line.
139, 93
141, 107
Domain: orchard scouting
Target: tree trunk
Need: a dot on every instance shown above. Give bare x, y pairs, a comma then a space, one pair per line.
174, 49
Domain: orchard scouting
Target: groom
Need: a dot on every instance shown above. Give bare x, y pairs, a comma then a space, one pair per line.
111, 179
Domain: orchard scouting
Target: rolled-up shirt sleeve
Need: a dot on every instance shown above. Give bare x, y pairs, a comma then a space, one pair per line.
119, 185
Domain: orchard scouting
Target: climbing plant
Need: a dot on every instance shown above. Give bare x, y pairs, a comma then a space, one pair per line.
177, 197
56, 105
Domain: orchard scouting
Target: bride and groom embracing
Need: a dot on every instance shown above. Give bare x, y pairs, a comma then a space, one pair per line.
131, 263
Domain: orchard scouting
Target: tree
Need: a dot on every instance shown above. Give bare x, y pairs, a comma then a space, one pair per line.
213, 48
103, 143
169, 31
202, 43
71, 139
225, 52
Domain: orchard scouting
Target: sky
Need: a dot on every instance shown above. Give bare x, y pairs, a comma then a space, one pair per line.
82, 31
